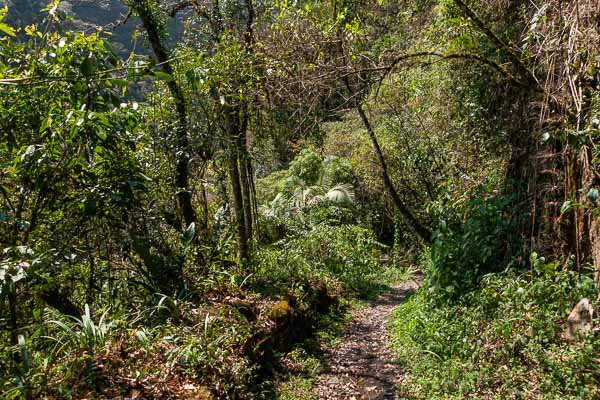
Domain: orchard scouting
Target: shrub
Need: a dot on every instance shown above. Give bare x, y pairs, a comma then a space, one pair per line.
501, 341
339, 170
307, 166
332, 213
268, 187
470, 243
345, 253
84, 333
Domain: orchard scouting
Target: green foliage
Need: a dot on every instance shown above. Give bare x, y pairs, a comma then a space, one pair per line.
299, 205
297, 387
471, 242
345, 253
332, 213
27, 373
84, 333
338, 170
67, 340
307, 166
268, 187
501, 341
214, 353
68, 148
89, 213
304, 368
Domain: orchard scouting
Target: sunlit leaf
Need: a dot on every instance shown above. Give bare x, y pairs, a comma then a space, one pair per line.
189, 234
566, 207
7, 29
163, 76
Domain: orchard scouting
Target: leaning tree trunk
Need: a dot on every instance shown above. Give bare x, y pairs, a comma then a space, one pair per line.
413, 223
184, 196
355, 94
54, 298
247, 177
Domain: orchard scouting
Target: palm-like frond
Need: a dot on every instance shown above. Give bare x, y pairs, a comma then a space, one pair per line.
303, 196
276, 207
341, 194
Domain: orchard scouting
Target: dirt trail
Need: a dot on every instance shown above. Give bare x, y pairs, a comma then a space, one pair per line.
362, 366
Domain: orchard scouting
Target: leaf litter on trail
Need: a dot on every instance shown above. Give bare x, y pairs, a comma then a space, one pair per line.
362, 366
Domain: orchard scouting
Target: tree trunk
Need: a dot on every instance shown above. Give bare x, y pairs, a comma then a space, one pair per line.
254, 202
232, 128
184, 196
12, 305
413, 223
245, 160
353, 92
245, 175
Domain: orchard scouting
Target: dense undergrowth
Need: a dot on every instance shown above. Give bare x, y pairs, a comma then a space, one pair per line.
500, 331
180, 348
230, 342
502, 340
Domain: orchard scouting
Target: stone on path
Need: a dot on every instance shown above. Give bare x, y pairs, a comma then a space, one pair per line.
580, 320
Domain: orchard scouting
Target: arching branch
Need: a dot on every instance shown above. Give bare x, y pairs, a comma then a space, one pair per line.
499, 43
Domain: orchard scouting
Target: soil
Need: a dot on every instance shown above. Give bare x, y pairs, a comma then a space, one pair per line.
362, 366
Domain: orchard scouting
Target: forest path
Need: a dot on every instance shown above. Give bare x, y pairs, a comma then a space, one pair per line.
362, 366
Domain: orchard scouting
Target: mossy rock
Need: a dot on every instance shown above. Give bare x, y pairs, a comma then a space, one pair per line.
280, 310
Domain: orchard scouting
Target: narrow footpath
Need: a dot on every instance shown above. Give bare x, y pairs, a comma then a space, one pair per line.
362, 366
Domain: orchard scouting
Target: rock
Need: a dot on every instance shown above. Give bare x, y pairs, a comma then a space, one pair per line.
580, 321
280, 310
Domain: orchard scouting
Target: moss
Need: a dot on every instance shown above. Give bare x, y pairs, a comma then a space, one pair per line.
280, 310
